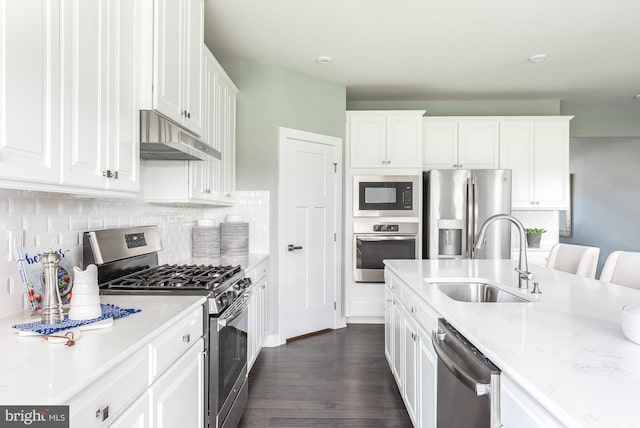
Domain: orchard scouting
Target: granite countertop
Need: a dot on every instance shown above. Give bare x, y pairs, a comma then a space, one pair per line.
565, 348
36, 372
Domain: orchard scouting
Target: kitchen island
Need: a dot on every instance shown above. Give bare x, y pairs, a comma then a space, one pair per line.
119, 361
564, 349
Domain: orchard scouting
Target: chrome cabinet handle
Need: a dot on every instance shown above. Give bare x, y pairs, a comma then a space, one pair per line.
102, 414
186, 338
292, 247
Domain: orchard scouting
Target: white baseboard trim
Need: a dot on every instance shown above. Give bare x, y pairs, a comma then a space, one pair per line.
272, 340
365, 320
341, 323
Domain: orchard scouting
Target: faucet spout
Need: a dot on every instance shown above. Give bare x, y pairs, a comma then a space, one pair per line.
524, 276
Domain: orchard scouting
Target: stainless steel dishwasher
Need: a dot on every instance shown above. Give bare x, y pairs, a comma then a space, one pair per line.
468, 383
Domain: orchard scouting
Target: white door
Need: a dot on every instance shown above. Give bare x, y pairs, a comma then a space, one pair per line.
310, 207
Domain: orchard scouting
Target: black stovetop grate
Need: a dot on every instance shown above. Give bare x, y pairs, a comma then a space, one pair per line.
177, 277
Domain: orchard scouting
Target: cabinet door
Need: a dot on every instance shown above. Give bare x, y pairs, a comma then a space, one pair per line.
440, 149
194, 40
428, 364
367, 139
168, 44
411, 355
252, 332
29, 91
388, 325
404, 141
123, 124
229, 145
83, 27
136, 416
177, 397
398, 326
517, 154
478, 144
551, 164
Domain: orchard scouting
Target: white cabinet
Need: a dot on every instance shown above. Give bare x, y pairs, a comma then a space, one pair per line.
178, 35
100, 122
455, 142
408, 348
160, 385
427, 363
202, 182
69, 117
519, 410
29, 92
177, 397
384, 139
411, 368
537, 152
257, 332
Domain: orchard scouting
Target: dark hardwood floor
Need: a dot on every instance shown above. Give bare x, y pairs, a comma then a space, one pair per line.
335, 379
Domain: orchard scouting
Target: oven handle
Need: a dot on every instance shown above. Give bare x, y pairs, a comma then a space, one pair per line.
370, 238
237, 308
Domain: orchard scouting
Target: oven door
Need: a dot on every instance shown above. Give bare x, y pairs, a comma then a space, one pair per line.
232, 363
369, 251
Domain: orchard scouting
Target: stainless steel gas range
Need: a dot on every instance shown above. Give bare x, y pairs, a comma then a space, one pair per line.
127, 261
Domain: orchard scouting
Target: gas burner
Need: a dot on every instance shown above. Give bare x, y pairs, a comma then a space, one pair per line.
193, 277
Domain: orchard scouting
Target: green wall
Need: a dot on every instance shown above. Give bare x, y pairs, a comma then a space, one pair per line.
465, 108
603, 121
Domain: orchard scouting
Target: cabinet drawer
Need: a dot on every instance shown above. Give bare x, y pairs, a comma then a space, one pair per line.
258, 272
165, 349
107, 398
419, 309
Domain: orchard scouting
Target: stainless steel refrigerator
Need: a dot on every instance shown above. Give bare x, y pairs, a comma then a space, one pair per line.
456, 203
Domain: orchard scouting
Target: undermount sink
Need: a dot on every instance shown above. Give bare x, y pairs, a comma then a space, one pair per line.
476, 292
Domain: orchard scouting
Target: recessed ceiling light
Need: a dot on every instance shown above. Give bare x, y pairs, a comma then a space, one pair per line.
537, 57
324, 59
637, 97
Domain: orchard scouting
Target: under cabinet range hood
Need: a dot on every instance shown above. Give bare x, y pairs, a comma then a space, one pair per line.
162, 139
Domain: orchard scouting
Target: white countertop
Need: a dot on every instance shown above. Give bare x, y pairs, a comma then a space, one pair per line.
33, 371
566, 348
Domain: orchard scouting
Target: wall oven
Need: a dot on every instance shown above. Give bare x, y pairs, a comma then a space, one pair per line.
385, 196
375, 242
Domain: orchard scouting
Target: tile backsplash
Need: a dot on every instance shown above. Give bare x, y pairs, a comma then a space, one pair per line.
43, 219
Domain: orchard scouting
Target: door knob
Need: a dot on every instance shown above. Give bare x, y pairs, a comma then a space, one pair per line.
292, 247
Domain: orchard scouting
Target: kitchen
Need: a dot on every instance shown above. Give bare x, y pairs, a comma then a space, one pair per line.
48, 217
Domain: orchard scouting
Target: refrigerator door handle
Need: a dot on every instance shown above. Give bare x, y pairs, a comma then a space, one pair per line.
469, 225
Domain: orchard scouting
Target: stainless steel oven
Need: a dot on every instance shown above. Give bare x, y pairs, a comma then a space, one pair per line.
375, 242
127, 261
385, 195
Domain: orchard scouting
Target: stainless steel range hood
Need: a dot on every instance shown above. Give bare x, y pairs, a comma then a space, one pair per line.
162, 139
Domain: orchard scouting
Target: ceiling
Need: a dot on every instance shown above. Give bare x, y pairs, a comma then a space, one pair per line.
387, 50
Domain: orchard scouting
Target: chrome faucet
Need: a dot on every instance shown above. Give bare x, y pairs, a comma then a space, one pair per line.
524, 276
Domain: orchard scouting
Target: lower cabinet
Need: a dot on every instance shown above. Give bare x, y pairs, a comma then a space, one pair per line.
409, 352
177, 397
160, 385
257, 312
519, 410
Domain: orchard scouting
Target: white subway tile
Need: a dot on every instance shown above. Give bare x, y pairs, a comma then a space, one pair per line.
48, 238
69, 239
58, 224
36, 224
19, 205
78, 223
47, 206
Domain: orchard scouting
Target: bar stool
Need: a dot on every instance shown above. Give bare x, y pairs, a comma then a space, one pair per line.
579, 259
622, 268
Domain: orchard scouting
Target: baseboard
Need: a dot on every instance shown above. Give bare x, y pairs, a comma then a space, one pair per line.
365, 320
272, 340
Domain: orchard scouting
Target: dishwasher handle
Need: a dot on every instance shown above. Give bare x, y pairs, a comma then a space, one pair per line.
460, 373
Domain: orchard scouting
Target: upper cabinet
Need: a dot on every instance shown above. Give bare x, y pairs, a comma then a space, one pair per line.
460, 142
202, 182
176, 76
385, 139
536, 149
69, 111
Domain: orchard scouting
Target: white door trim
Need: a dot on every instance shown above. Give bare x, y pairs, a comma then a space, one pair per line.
283, 135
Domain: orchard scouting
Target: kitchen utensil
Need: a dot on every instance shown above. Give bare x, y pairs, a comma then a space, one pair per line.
52, 307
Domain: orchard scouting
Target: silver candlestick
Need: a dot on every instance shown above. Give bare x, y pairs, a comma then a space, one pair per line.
52, 307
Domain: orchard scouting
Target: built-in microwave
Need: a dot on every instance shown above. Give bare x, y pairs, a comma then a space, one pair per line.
385, 196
